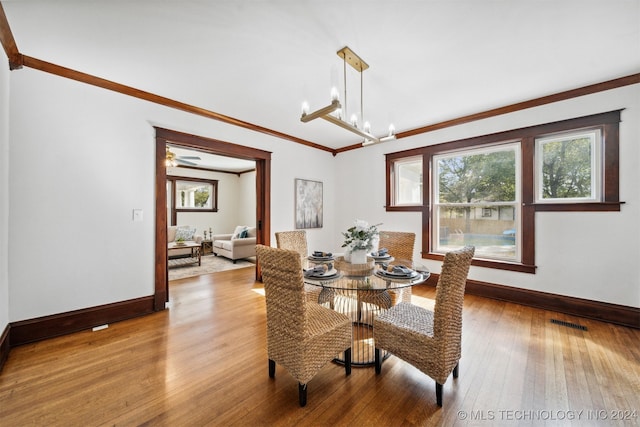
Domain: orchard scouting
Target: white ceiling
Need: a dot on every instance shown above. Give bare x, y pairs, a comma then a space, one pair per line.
257, 61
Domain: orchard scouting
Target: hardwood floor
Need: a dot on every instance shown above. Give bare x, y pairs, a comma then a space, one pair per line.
203, 362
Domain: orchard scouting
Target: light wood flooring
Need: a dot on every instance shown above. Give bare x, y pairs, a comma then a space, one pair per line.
203, 362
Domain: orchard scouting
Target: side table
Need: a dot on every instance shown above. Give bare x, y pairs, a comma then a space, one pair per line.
207, 247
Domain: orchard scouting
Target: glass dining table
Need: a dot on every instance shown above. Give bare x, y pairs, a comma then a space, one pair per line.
363, 291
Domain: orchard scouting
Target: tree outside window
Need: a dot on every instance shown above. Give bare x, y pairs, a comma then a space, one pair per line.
568, 167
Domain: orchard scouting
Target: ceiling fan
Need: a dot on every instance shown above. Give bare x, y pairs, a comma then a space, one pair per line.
173, 160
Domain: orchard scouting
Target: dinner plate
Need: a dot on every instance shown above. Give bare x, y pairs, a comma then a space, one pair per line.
320, 258
326, 275
392, 275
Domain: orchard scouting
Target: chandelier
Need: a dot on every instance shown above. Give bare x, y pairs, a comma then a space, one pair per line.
334, 112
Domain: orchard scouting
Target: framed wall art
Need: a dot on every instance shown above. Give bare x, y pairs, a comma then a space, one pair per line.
308, 200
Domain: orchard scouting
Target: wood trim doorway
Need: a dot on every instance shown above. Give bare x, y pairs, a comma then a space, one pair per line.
214, 146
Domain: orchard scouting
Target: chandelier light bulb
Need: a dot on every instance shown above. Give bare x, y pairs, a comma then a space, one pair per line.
354, 120
367, 127
392, 130
305, 108
339, 113
335, 96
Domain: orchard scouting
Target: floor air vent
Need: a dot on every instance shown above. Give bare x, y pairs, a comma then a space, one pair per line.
569, 324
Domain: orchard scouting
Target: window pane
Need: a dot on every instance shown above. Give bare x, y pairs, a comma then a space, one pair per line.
478, 177
567, 167
491, 229
477, 195
193, 195
408, 181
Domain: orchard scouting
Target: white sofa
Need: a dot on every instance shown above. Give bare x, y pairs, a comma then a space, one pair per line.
188, 234
237, 245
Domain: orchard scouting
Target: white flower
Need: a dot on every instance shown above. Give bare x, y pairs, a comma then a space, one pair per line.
360, 236
361, 225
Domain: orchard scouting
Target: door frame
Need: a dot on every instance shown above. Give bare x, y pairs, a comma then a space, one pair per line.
214, 146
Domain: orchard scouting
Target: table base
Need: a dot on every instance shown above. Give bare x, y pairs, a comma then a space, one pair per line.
361, 314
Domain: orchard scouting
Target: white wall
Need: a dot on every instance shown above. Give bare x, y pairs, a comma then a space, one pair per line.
592, 255
320, 166
246, 199
4, 193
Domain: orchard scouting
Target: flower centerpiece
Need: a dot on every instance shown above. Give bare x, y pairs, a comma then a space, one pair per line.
359, 239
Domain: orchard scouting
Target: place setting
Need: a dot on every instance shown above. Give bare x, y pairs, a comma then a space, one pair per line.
323, 271
320, 256
381, 255
397, 272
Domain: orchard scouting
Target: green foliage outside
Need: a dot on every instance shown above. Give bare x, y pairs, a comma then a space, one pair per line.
485, 177
201, 196
566, 169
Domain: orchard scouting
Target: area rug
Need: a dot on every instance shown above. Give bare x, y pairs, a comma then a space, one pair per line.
210, 264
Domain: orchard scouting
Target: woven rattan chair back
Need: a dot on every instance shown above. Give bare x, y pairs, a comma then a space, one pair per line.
295, 241
400, 245
447, 313
284, 290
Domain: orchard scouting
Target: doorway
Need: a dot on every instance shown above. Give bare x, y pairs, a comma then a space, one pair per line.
263, 195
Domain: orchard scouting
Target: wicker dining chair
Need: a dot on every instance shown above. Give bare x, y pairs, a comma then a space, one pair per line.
301, 336
297, 241
429, 340
400, 245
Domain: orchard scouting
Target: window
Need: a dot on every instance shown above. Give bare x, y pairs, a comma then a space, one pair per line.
192, 194
407, 181
468, 186
568, 167
486, 190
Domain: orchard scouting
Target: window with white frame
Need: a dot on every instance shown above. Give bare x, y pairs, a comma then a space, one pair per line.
407, 181
568, 167
476, 201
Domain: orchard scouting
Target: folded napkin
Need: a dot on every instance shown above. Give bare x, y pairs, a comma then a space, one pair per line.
399, 269
320, 254
381, 252
317, 270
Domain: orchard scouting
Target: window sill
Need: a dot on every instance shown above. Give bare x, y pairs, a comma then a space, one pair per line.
412, 208
577, 207
498, 265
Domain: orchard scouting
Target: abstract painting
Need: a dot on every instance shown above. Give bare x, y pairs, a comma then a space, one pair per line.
308, 203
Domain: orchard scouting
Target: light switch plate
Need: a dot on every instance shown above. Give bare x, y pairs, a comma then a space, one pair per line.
137, 214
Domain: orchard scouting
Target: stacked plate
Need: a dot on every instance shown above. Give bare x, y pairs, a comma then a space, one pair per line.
329, 274
321, 256
410, 274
